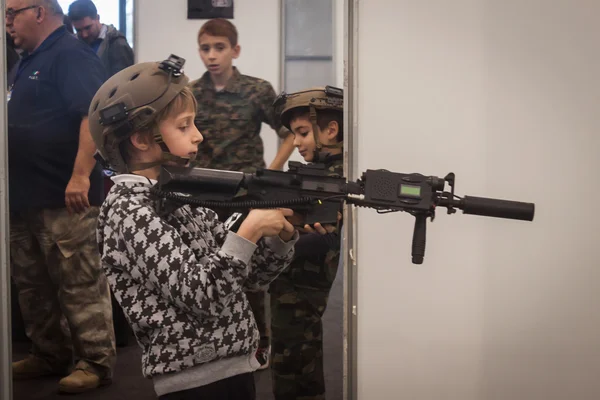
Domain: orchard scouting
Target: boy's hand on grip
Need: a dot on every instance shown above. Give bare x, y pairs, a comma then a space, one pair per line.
265, 223
318, 228
321, 229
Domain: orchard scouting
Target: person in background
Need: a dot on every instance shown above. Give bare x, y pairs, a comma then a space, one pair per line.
116, 54
299, 295
231, 110
106, 40
55, 190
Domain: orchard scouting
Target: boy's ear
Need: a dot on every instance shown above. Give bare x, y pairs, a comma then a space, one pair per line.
332, 131
141, 141
236, 51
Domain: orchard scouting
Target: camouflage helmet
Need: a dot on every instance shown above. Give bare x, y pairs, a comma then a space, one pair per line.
320, 98
313, 99
128, 101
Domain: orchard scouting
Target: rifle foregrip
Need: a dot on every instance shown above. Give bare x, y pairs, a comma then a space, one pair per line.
419, 238
498, 208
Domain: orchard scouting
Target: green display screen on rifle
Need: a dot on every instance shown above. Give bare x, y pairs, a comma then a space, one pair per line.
409, 190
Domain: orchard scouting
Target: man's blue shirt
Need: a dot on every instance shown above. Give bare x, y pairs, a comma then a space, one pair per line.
50, 92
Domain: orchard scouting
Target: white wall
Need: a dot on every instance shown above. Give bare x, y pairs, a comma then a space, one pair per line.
506, 95
163, 29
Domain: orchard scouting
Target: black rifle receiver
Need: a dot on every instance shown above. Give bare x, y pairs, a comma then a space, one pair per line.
317, 197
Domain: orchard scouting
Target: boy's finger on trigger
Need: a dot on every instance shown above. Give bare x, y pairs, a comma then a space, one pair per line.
287, 212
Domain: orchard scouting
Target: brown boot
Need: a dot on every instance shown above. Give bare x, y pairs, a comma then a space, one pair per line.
81, 381
34, 367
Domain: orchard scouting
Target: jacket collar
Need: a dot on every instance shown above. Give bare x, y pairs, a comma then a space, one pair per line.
234, 84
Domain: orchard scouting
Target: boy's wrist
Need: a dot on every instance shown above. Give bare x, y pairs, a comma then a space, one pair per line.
287, 236
250, 232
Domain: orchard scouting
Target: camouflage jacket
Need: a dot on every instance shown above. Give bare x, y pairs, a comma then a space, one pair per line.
180, 278
230, 121
317, 256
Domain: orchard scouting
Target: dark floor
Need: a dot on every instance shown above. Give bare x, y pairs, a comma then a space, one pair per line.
128, 383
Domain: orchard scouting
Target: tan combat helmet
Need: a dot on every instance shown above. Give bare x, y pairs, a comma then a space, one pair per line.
128, 101
317, 98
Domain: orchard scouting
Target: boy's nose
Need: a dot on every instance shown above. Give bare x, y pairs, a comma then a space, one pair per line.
198, 138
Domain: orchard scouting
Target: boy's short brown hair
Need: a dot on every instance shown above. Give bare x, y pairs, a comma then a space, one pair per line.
220, 27
184, 101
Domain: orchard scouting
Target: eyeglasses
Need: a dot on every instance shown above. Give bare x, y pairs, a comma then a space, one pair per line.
12, 13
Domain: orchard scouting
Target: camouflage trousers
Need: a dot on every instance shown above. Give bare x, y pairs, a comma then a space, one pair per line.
298, 301
56, 268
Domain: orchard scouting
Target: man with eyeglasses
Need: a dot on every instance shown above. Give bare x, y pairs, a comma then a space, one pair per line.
55, 193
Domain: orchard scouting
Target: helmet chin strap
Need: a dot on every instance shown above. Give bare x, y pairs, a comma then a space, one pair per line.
165, 157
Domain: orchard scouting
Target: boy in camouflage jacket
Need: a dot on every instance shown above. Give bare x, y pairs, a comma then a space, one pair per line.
299, 295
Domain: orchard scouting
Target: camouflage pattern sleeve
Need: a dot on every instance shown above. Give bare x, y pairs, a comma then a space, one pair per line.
162, 259
267, 110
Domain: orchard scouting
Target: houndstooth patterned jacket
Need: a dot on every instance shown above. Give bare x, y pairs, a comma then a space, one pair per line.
180, 278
